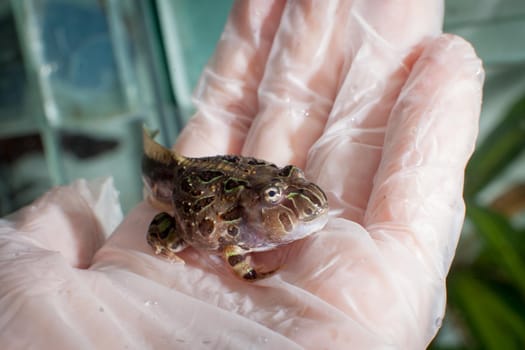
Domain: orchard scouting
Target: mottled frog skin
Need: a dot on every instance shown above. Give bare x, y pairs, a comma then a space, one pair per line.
228, 205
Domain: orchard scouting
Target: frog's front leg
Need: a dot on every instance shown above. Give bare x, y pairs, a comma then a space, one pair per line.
164, 238
240, 262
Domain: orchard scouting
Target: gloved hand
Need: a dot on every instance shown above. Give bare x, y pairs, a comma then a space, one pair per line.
379, 108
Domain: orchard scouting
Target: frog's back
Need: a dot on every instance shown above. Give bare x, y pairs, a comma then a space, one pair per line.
166, 172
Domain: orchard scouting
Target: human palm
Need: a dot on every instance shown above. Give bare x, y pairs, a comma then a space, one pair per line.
380, 110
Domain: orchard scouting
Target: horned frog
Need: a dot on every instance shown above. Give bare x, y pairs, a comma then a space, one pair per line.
228, 205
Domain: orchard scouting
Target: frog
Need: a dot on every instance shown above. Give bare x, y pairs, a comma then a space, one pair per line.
227, 205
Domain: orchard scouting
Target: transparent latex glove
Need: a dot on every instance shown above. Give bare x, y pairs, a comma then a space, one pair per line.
379, 108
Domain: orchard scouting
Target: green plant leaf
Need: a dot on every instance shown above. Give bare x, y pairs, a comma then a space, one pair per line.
498, 150
493, 322
497, 233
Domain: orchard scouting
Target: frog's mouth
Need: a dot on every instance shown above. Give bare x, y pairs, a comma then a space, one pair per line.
260, 238
306, 228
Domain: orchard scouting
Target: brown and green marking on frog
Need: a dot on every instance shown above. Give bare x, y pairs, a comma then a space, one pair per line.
228, 205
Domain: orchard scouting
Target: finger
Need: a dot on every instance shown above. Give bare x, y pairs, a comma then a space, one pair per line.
72, 220
316, 44
226, 97
417, 196
300, 82
346, 157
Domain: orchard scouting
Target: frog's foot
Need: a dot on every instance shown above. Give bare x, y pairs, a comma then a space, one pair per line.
240, 263
164, 239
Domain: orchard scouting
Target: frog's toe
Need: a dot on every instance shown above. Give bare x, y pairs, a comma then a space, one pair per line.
249, 273
166, 253
241, 265
173, 258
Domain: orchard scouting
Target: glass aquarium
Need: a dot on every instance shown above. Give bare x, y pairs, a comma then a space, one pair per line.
77, 81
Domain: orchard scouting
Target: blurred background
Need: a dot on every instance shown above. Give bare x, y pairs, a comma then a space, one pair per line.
78, 78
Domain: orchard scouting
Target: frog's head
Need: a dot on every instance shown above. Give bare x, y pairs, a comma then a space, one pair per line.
284, 208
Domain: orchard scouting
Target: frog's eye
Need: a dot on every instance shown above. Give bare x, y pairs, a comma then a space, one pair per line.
272, 194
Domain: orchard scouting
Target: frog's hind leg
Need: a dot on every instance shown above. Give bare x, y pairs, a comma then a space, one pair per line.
240, 262
164, 238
